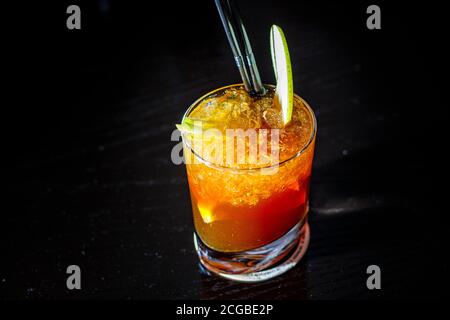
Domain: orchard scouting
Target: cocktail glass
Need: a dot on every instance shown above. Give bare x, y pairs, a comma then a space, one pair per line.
251, 222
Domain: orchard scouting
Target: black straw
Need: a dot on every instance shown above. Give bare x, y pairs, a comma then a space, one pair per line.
240, 46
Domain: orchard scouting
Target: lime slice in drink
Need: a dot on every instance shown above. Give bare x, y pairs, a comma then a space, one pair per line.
184, 128
284, 93
201, 132
188, 125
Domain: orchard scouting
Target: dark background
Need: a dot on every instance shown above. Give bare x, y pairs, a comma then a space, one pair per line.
87, 118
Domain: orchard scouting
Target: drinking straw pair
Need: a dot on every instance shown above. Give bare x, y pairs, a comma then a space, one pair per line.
240, 46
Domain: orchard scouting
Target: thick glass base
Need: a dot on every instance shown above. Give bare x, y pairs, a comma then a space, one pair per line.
258, 264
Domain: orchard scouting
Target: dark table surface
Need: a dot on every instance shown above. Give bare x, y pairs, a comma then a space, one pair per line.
90, 180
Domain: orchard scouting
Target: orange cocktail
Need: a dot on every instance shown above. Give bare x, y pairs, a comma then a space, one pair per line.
249, 204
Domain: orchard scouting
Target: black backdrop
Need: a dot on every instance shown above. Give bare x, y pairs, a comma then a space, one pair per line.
87, 117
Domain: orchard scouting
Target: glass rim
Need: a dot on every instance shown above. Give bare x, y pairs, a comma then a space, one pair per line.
268, 167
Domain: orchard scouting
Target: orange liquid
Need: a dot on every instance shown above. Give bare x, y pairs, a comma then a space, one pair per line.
229, 227
237, 211
244, 227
